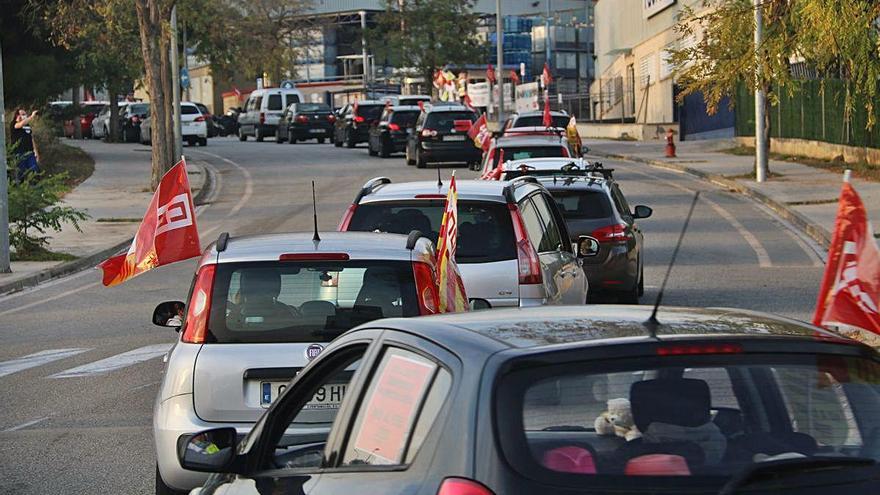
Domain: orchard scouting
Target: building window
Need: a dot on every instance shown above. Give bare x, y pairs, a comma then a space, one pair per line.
666, 67
566, 60
646, 70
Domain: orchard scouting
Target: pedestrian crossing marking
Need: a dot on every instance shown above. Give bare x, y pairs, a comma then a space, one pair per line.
37, 359
116, 362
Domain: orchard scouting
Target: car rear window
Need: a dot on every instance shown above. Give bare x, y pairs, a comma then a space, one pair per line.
583, 205
189, 110
303, 302
485, 232
370, 112
685, 415
538, 121
405, 118
312, 107
274, 102
445, 121
140, 108
289, 99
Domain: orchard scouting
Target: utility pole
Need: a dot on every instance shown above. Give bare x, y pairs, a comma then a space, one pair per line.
4, 182
547, 37
760, 98
499, 50
175, 88
186, 65
366, 61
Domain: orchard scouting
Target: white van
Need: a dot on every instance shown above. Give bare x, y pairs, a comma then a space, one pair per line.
263, 110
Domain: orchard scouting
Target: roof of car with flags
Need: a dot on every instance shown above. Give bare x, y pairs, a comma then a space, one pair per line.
467, 190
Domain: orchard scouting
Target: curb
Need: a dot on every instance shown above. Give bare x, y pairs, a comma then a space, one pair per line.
92, 260
811, 229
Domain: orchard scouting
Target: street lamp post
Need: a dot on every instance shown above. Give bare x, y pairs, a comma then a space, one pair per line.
760, 98
175, 89
499, 50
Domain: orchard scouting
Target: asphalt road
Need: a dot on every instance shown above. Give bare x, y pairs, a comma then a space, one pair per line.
76, 412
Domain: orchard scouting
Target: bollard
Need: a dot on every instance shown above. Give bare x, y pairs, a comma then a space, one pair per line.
670, 144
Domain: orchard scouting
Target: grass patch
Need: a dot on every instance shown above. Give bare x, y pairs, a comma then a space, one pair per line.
861, 170
57, 157
624, 137
42, 254
119, 220
751, 175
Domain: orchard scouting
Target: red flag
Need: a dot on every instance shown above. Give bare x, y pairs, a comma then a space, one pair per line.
490, 74
548, 119
514, 77
237, 92
453, 298
468, 103
545, 76
495, 173
167, 233
421, 105
480, 134
850, 290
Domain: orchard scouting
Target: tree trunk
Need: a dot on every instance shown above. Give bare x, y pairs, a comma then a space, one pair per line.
152, 18
77, 127
765, 129
113, 136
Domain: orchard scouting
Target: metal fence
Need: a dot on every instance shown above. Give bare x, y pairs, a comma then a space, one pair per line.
814, 111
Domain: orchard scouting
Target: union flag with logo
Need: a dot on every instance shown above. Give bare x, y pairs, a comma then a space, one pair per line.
453, 298
850, 290
167, 233
479, 132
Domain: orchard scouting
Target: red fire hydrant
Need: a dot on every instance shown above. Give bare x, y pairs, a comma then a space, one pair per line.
670, 144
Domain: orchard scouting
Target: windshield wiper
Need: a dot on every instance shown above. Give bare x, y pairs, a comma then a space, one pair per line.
793, 466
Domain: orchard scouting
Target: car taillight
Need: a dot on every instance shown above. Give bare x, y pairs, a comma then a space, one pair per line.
200, 118
393, 126
331, 118
565, 153
462, 486
428, 133
691, 349
529, 264
426, 288
358, 119
195, 330
346, 218
615, 233
262, 118
302, 119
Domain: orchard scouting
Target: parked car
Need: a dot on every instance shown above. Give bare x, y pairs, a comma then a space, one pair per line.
227, 124
516, 402
260, 308
390, 133
513, 247
535, 120
440, 135
194, 125
130, 116
88, 111
263, 110
209, 120
303, 121
353, 122
525, 146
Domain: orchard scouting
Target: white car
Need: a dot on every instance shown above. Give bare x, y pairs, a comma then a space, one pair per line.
193, 123
131, 114
263, 111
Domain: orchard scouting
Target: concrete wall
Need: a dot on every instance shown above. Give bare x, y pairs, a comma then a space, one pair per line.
819, 149
639, 132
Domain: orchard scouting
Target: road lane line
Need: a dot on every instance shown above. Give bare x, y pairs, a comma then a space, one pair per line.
813, 251
49, 299
25, 425
45, 285
248, 182
37, 359
116, 362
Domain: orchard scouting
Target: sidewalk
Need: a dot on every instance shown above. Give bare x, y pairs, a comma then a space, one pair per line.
115, 197
805, 196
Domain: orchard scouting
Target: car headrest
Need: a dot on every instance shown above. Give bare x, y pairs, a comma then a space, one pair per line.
657, 465
317, 308
678, 401
260, 282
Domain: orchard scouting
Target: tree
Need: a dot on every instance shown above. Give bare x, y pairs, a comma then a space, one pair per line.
426, 34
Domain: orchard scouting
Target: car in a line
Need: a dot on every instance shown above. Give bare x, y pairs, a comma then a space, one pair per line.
88, 111
304, 121
513, 244
389, 134
525, 146
544, 167
520, 402
260, 308
353, 122
412, 100
535, 120
440, 136
263, 110
193, 124
210, 119
130, 116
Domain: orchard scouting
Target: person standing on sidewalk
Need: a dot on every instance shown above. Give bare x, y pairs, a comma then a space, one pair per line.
23, 143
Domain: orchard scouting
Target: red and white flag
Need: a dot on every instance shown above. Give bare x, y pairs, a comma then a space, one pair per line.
479, 133
850, 290
453, 298
548, 119
167, 233
495, 173
490, 74
514, 77
546, 78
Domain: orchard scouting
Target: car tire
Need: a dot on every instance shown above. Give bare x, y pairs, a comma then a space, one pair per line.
278, 139
409, 161
203, 141
420, 161
321, 140
258, 135
241, 136
336, 142
349, 139
370, 149
162, 488
383, 150
642, 282
191, 141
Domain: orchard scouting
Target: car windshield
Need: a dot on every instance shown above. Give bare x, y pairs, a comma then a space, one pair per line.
370, 112
485, 231
538, 121
303, 301
405, 118
445, 121
312, 107
274, 102
525, 152
687, 415
583, 204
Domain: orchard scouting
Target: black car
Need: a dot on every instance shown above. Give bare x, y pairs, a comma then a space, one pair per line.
130, 118
210, 120
440, 135
594, 207
354, 120
390, 133
566, 400
303, 121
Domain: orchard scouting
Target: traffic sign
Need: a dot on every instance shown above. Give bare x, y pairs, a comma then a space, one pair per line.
184, 78
287, 84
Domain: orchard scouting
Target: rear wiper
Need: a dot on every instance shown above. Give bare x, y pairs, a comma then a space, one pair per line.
792, 466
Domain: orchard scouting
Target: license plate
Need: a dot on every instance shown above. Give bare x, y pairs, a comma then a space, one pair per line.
453, 138
327, 397
316, 131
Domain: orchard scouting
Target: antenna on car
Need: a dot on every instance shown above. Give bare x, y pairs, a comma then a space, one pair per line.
652, 322
439, 182
316, 237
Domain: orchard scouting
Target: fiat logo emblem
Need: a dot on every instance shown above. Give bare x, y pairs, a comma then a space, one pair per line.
313, 350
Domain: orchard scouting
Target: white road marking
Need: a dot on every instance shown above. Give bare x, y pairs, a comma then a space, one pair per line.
49, 299
25, 425
116, 362
37, 359
813, 250
44, 285
248, 183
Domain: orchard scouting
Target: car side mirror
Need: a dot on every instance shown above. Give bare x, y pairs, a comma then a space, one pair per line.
642, 211
209, 451
587, 246
169, 314
477, 304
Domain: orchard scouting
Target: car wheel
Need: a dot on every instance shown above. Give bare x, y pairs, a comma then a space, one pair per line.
191, 141
349, 139
420, 161
320, 140
383, 150
409, 161
278, 138
162, 488
370, 149
336, 141
241, 136
642, 282
258, 135
106, 133
203, 141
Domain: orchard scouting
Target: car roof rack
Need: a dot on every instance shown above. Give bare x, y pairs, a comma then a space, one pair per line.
514, 183
222, 242
413, 238
370, 186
